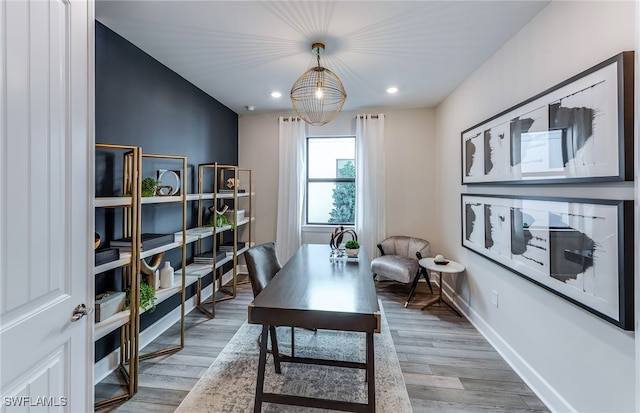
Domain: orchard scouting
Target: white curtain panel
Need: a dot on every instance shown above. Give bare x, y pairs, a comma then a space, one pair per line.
370, 182
291, 186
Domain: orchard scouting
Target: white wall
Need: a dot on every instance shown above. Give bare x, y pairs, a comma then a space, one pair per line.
573, 359
410, 169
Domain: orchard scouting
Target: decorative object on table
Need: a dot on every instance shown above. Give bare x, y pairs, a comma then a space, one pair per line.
318, 95
147, 297
108, 304
148, 187
398, 261
150, 269
147, 242
579, 249
166, 275
578, 131
440, 260
352, 248
337, 235
168, 182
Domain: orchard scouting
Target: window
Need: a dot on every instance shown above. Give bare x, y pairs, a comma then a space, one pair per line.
331, 180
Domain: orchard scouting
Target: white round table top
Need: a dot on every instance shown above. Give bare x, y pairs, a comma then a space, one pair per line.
452, 267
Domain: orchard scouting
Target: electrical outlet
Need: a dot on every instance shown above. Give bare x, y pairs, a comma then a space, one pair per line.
494, 298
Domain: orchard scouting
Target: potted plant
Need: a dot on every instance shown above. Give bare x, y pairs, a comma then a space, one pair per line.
352, 248
147, 297
149, 186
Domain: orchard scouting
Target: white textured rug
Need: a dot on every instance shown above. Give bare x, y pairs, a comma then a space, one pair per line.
230, 382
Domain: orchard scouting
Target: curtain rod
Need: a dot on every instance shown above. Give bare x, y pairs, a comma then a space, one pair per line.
372, 116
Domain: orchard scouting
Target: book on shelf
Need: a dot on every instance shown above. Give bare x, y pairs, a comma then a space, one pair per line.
207, 257
148, 242
228, 246
105, 255
230, 191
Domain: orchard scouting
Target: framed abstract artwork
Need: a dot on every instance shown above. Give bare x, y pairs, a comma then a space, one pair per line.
579, 130
581, 250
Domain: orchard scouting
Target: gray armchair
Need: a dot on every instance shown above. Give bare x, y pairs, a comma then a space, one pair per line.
398, 261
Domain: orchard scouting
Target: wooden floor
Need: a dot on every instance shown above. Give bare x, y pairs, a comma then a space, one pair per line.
448, 366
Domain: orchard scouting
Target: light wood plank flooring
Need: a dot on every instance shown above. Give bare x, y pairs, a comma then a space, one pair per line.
447, 365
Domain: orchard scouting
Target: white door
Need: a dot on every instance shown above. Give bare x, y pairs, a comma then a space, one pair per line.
46, 198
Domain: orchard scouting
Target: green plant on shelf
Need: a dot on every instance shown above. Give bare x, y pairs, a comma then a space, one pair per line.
147, 297
148, 187
219, 218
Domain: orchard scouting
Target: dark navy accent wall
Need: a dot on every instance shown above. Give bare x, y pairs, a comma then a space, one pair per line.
141, 102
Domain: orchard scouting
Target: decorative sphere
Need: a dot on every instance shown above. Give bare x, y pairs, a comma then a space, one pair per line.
439, 257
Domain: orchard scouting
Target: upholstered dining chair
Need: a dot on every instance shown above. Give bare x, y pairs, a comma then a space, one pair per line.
398, 261
262, 265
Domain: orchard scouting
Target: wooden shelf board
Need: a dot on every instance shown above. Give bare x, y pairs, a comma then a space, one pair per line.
112, 202
112, 323
161, 199
125, 259
163, 248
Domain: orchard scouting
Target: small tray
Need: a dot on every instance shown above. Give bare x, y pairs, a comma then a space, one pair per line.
445, 262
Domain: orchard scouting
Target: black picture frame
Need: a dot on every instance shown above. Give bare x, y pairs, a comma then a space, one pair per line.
580, 130
579, 249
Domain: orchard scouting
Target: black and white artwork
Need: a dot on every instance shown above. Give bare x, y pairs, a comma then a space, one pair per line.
578, 130
574, 248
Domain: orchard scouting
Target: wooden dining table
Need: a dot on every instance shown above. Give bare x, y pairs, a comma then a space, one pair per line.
313, 291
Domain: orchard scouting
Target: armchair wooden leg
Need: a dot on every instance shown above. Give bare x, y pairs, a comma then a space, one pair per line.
414, 285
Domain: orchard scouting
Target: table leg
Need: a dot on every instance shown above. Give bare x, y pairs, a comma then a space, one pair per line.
438, 299
371, 380
262, 361
441, 300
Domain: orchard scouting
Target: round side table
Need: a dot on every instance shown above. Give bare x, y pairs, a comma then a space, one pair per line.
451, 267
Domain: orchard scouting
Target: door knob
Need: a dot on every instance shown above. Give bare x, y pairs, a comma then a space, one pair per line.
80, 311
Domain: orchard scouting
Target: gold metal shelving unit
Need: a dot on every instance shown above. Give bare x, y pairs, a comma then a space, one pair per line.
179, 243
222, 195
132, 263
126, 320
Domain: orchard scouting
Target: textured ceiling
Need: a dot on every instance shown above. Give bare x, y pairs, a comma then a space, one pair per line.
240, 51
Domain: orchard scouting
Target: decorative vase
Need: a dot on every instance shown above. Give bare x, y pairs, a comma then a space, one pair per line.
352, 252
166, 275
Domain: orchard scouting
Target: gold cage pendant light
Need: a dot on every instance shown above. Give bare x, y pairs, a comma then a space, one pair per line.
318, 95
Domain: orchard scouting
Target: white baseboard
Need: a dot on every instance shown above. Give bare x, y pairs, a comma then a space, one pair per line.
105, 366
545, 392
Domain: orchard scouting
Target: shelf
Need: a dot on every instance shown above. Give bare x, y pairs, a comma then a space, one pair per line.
163, 248
112, 202
112, 323
125, 259
163, 294
161, 199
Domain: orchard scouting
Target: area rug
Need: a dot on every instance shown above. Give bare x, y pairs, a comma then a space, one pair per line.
230, 382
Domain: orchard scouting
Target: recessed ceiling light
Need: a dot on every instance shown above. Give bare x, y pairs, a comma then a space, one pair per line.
392, 90
276, 94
